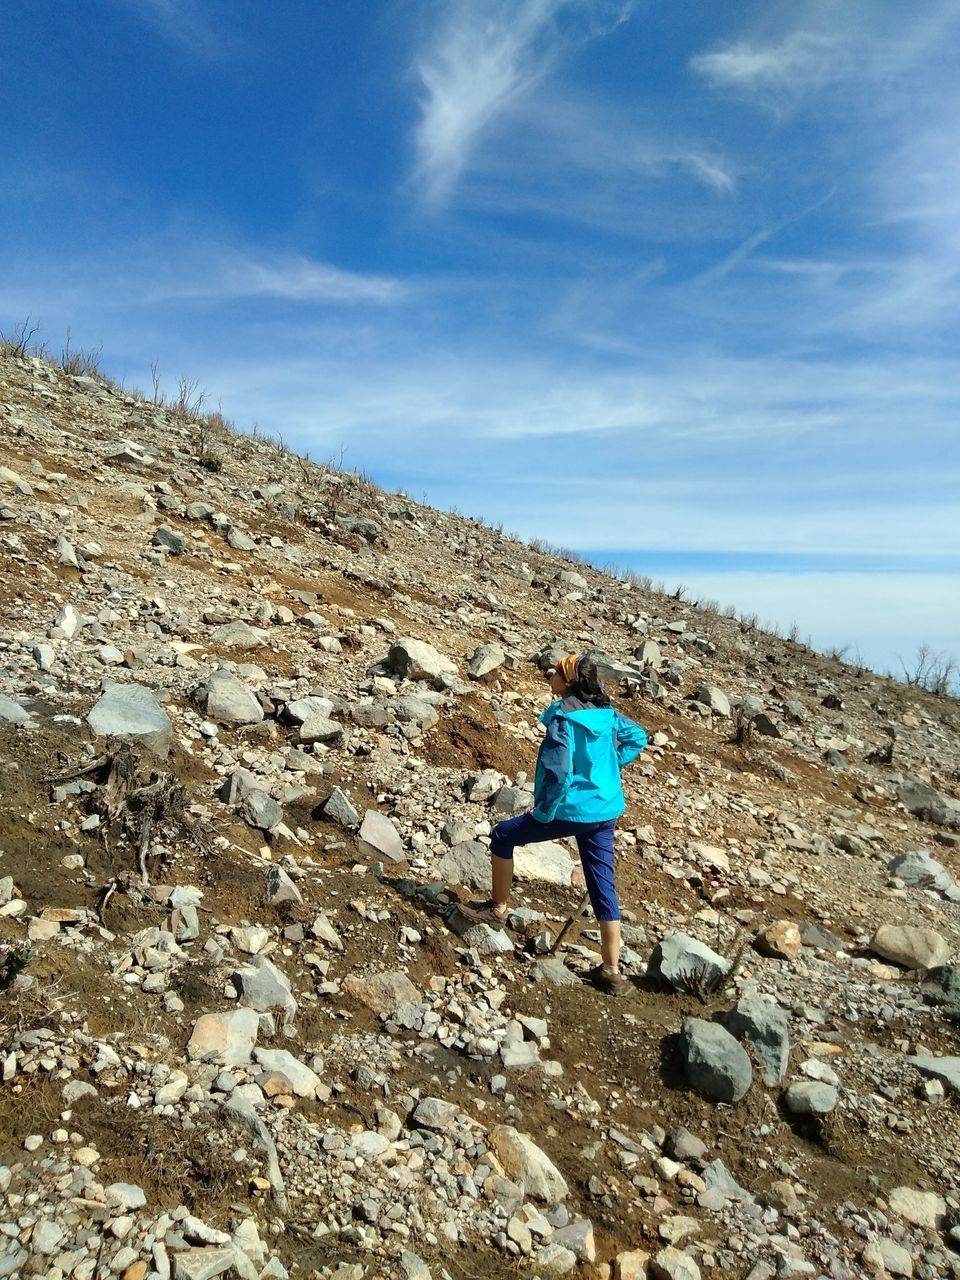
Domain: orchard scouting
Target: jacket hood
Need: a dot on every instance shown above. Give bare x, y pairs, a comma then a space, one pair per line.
593, 720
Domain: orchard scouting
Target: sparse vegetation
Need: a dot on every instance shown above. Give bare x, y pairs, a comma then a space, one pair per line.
81, 363
190, 398
936, 672
19, 342
742, 726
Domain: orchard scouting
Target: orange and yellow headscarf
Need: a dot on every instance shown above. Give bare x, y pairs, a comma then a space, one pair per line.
568, 666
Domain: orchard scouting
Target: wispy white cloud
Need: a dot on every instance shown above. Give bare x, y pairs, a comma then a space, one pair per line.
800, 60
219, 273
187, 23
188, 265
485, 57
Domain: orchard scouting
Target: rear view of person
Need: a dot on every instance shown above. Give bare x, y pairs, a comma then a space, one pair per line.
577, 792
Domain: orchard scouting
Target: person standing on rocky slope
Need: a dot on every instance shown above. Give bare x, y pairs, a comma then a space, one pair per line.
577, 792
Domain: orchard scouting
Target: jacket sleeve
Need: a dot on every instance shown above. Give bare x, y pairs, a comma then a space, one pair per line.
554, 770
631, 740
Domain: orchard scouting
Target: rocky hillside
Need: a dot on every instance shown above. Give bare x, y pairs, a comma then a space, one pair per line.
257, 719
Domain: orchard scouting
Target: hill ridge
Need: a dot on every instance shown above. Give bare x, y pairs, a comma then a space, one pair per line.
241, 1013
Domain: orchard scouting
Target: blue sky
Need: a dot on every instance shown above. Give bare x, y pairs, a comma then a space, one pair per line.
677, 285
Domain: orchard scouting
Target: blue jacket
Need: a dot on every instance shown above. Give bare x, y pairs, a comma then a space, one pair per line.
578, 767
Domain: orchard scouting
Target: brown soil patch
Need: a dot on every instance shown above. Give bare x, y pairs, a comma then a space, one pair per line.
469, 737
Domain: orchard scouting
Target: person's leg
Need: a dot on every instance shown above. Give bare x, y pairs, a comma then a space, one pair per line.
505, 837
596, 854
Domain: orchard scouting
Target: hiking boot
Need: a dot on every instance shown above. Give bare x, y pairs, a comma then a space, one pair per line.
611, 984
486, 912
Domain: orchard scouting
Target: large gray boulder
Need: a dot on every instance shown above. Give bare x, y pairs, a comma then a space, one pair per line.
230, 701
921, 870
911, 946
766, 1029
467, 863
710, 695
238, 635
417, 660
262, 986
11, 712
924, 801
716, 1065
679, 957
544, 863
483, 660
133, 713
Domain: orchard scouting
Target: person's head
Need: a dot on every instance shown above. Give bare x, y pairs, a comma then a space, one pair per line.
576, 676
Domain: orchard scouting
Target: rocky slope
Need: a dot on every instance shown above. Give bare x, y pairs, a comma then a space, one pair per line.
257, 719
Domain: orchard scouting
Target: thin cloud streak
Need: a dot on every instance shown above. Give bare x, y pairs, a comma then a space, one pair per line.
236, 274
185, 23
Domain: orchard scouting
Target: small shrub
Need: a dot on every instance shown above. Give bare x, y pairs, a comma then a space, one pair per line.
935, 672
742, 726
20, 342
190, 398
210, 462
82, 363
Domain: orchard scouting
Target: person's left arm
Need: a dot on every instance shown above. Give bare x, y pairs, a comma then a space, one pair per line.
555, 763
631, 740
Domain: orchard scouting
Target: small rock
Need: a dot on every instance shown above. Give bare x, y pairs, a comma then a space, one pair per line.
280, 888
414, 659
713, 697
811, 1097
780, 940
672, 1264
434, 1113
378, 836
922, 1208
384, 993
338, 808
486, 658
524, 1161
225, 1038
168, 540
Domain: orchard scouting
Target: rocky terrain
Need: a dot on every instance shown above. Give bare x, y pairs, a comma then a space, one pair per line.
257, 719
